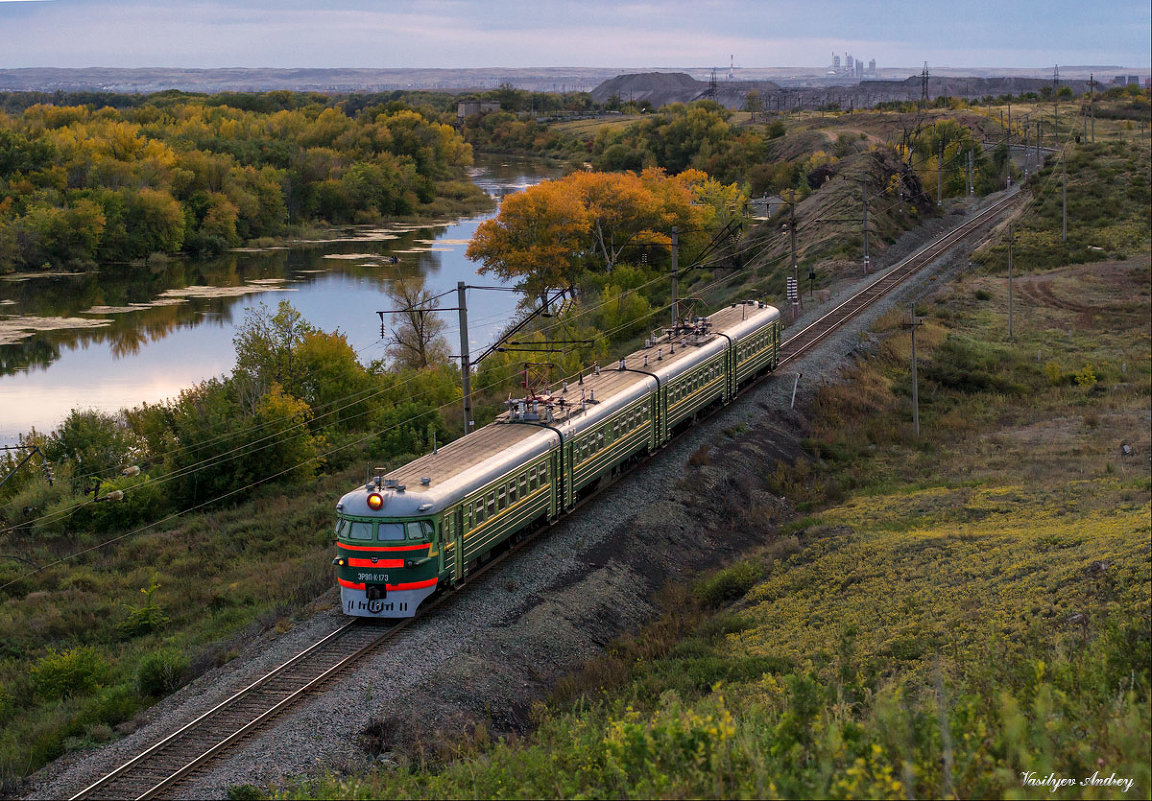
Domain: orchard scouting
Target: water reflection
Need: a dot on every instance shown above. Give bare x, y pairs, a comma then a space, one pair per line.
169, 323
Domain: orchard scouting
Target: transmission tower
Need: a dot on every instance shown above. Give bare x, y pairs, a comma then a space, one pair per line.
710, 92
924, 87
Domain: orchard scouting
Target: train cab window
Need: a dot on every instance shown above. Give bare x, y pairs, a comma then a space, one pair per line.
355, 530
390, 531
421, 530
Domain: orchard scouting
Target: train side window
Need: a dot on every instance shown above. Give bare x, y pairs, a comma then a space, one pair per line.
420, 530
523, 484
479, 515
501, 498
512, 494
491, 503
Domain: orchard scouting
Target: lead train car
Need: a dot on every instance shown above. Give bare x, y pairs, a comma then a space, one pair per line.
428, 523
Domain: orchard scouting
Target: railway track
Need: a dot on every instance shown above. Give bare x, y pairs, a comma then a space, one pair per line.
176, 758
807, 337
183, 756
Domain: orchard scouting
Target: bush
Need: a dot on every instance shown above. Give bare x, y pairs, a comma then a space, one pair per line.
161, 672
729, 584
147, 618
64, 674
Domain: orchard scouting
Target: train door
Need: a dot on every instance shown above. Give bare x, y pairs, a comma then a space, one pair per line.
457, 565
562, 469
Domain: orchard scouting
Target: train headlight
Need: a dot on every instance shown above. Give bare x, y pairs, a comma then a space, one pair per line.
339, 561
375, 501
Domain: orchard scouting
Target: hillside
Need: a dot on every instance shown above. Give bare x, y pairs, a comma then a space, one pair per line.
958, 613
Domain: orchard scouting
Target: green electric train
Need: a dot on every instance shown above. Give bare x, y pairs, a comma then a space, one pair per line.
426, 525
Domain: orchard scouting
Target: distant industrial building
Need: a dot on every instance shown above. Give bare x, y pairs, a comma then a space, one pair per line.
468, 108
851, 66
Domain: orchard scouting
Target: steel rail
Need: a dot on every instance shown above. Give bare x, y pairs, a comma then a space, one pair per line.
170, 761
818, 330
174, 756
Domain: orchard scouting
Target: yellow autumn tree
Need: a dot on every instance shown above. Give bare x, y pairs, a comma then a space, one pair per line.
546, 236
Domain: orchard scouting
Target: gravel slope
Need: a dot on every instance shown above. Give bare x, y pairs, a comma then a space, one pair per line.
488, 654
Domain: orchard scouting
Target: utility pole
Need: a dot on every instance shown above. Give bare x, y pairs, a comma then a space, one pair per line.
1007, 154
1039, 163
675, 274
1064, 192
1092, 103
940, 176
1011, 239
1056, 99
915, 384
864, 195
792, 232
465, 361
971, 158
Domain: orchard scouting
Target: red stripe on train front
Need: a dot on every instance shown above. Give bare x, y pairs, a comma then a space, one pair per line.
414, 585
382, 548
376, 563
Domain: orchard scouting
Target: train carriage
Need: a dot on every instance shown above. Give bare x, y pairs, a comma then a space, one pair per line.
428, 523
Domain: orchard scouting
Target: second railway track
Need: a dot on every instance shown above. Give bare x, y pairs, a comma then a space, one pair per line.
183, 755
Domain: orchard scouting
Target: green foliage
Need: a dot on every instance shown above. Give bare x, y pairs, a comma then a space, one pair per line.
1109, 209
969, 366
146, 618
95, 443
1085, 376
729, 584
68, 673
160, 672
165, 173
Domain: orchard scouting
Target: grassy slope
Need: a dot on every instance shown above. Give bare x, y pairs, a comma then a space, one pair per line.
956, 610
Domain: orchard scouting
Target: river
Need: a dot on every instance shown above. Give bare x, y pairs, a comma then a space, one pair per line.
116, 338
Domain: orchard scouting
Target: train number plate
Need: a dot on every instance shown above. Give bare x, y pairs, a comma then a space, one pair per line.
374, 578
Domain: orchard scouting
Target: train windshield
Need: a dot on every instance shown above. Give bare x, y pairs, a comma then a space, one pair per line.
353, 530
391, 531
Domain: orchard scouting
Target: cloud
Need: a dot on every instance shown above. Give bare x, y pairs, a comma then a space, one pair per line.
594, 33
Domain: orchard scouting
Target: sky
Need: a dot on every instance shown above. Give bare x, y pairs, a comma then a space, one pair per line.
589, 33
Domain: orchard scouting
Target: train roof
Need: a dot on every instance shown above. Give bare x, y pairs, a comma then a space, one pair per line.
441, 478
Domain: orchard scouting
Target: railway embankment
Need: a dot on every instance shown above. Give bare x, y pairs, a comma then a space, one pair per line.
936, 614
485, 660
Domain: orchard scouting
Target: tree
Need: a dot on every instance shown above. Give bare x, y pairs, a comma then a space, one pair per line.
536, 239
265, 348
416, 340
546, 237
620, 209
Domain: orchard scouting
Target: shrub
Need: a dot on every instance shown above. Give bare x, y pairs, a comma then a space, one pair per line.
1086, 377
64, 674
729, 584
161, 672
147, 618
